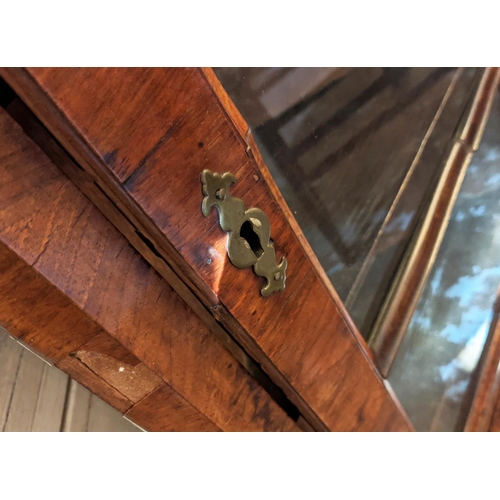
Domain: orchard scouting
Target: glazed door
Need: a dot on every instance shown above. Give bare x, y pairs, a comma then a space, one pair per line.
392, 175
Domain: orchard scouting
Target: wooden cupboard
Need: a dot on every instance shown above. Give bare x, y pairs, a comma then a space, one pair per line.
112, 271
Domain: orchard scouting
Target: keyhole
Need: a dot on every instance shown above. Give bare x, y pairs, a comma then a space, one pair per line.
251, 237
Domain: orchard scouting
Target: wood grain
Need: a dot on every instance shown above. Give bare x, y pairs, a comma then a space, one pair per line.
95, 383
495, 419
60, 253
53, 150
485, 384
232, 112
156, 185
135, 382
165, 411
111, 371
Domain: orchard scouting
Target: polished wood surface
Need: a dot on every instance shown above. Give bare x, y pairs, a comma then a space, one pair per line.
164, 410
485, 385
300, 336
495, 419
76, 291
39, 134
111, 372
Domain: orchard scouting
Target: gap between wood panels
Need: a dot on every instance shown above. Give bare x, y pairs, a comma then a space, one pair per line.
53, 149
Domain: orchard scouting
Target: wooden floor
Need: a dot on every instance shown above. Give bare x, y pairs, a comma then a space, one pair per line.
35, 396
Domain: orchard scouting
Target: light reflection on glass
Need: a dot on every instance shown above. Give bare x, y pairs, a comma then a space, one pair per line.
445, 339
339, 143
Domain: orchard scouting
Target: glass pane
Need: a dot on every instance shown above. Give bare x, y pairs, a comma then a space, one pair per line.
345, 146
432, 371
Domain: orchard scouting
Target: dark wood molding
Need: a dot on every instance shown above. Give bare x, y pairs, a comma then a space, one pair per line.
485, 384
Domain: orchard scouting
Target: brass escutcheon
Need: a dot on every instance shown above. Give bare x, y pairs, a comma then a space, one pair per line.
249, 233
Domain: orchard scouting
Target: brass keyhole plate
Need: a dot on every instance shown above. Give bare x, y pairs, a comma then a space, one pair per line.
249, 234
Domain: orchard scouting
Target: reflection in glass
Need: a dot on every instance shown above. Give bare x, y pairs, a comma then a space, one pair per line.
433, 368
340, 144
